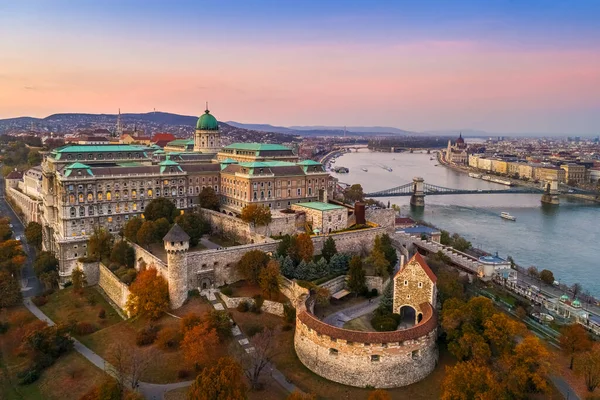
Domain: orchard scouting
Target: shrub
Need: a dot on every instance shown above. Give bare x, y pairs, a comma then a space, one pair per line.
227, 291
194, 293
84, 328
67, 284
287, 327
40, 300
384, 323
48, 292
4, 327
243, 306
28, 376
91, 299
189, 321
183, 374
258, 302
169, 338
128, 276
253, 330
146, 336
102, 313
114, 267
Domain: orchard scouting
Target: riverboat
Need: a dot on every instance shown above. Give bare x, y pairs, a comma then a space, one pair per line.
507, 216
473, 175
364, 169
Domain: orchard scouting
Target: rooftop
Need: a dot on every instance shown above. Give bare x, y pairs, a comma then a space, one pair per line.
320, 206
100, 148
492, 260
419, 229
176, 234
256, 146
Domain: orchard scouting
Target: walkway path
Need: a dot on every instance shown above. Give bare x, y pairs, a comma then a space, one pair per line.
151, 391
339, 318
208, 244
243, 341
564, 388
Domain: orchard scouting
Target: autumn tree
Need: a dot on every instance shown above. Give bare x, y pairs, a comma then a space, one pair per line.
10, 290
526, 369
533, 272
99, 245
377, 263
588, 365
78, 279
383, 244
128, 363
45, 261
301, 248
189, 321
131, 229
5, 230
147, 234
257, 215
329, 249
265, 349
12, 257
149, 295
223, 381
500, 331
209, 199
161, 208
252, 263
356, 276
268, 279
547, 276
469, 380
199, 344
33, 234
574, 339
296, 395
379, 394
220, 321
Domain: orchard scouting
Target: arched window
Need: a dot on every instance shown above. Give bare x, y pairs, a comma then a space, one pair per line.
81, 211
99, 196
72, 198
108, 196
117, 195
91, 210
90, 197
134, 194
149, 192
72, 211
80, 197
134, 206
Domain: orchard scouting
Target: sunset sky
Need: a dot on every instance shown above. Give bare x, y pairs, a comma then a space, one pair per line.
500, 66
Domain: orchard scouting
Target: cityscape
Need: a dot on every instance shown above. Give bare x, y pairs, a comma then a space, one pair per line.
362, 200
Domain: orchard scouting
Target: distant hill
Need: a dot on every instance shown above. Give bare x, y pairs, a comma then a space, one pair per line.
324, 130
263, 127
357, 129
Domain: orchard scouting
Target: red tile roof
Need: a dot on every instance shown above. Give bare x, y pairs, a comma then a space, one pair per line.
14, 175
161, 137
419, 259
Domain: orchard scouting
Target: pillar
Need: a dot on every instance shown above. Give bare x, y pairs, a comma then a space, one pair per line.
418, 197
550, 195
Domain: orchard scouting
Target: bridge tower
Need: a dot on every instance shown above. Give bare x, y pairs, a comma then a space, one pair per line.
550, 195
418, 197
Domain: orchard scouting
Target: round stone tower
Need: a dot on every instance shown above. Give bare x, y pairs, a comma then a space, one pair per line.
177, 244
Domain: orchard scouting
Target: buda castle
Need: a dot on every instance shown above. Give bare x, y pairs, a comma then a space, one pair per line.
88, 186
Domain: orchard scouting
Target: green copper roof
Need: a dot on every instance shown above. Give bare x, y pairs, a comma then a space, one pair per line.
207, 122
266, 164
320, 206
82, 148
256, 146
169, 163
309, 162
78, 166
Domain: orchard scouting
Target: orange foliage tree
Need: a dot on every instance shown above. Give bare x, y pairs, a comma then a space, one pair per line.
268, 279
526, 369
199, 344
305, 247
252, 263
301, 396
574, 339
469, 380
379, 394
149, 295
588, 366
224, 381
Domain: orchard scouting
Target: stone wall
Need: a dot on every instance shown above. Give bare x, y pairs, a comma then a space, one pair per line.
149, 259
351, 241
268, 306
116, 290
28, 207
376, 359
376, 282
384, 217
91, 270
294, 292
335, 285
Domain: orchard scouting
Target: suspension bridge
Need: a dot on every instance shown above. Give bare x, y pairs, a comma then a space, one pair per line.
418, 189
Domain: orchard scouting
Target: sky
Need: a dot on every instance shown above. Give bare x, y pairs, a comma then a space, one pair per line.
499, 66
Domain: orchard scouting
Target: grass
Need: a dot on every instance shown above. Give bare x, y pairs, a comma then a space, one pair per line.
289, 364
271, 391
167, 364
68, 378
362, 323
65, 306
222, 241
247, 289
337, 305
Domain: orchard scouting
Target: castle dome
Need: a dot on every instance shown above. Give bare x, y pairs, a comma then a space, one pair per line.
207, 122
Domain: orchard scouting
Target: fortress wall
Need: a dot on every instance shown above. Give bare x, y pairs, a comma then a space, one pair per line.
116, 290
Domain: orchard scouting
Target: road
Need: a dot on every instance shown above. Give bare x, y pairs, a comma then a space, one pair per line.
30, 285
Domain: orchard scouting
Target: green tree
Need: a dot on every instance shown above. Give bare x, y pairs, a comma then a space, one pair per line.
252, 263
378, 263
445, 238
356, 276
287, 267
45, 262
33, 234
161, 208
100, 244
354, 193
257, 215
194, 225
123, 254
338, 263
131, 229
389, 251
301, 248
209, 199
147, 234
34, 158
460, 243
329, 249
78, 279
283, 246
10, 290
547, 276
161, 228
387, 299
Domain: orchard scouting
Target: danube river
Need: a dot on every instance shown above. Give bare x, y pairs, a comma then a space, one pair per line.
564, 239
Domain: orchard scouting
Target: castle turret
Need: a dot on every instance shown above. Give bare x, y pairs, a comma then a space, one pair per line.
177, 244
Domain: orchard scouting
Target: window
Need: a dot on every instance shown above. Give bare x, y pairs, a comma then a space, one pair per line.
149, 192
299, 192
72, 211
333, 352
108, 196
99, 196
90, 197
405, 283
416, 354
420, 285
375, 358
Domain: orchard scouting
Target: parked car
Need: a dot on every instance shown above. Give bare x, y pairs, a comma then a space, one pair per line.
18, 238
556, 283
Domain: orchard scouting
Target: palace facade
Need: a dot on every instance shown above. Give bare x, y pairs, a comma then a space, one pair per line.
89, 186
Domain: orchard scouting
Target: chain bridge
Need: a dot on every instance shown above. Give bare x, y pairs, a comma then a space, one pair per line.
418, 189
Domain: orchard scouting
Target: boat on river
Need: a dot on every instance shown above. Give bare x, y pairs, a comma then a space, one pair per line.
507, 216
364, 169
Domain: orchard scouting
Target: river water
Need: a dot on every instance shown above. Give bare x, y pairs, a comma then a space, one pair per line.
564, 239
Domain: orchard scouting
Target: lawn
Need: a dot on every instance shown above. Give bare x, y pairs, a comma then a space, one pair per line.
289, 364
271, 391
68, 378
362, 323
222, 241
168, 363
65, 306
247, 289
337, 305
